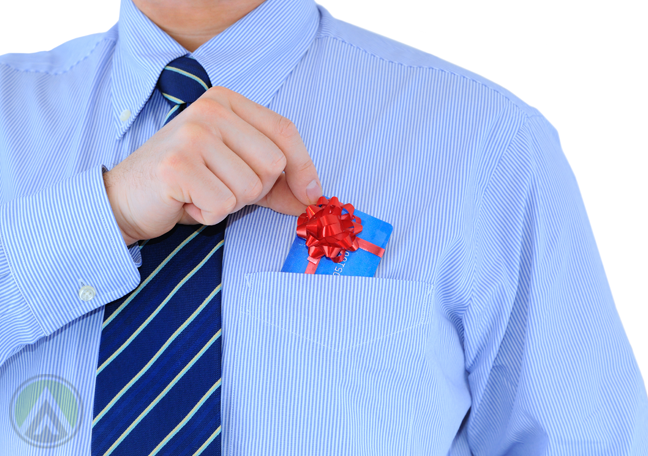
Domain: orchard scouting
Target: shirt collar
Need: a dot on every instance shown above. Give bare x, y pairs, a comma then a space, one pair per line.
252, 57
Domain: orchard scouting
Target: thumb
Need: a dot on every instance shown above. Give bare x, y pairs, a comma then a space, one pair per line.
281, 199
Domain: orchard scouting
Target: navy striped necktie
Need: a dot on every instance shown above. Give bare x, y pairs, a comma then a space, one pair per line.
159, 371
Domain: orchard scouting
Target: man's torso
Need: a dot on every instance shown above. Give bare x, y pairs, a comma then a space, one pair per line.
312, 364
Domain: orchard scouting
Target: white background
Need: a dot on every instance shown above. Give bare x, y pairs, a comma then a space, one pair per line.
583, 64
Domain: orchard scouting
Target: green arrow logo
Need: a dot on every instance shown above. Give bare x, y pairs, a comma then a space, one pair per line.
46, 411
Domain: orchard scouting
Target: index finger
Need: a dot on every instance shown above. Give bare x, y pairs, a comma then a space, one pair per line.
301, 174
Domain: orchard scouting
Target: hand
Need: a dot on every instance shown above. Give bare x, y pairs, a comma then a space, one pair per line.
221, 153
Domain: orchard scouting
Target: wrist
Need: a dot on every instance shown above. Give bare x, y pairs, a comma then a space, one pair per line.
112, 198
127, 239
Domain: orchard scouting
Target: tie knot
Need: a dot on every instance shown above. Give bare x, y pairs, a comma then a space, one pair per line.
182, 82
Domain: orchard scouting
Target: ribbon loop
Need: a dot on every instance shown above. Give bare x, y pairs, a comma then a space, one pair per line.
330, 229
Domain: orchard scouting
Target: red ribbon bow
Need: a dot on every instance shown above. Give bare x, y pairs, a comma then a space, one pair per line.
330, 232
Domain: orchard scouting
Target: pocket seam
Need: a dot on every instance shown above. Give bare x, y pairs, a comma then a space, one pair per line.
299, 336
335, 350
423, 318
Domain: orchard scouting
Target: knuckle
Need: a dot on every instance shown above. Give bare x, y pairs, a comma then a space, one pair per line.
212, 218
209, 219
209, 108
286, 129
217, 90
253, 192
219, 94
222, 206
192, 133
171, 165
276, 166
229, 203
199, 107
305, 166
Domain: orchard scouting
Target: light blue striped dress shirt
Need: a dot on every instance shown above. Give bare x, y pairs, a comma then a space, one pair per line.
489, 328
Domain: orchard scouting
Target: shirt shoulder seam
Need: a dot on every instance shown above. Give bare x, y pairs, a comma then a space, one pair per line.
58, 73
427, 67
478, 214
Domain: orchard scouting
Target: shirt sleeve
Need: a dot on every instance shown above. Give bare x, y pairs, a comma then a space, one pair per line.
52, 244
550, 368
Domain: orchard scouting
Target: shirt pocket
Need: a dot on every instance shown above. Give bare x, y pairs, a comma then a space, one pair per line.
338, 313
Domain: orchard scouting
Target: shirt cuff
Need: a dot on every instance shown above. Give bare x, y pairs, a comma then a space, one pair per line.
18, 326
134, 248
65, 250
136, 255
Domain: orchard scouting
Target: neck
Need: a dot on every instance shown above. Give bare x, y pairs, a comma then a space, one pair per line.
194, 22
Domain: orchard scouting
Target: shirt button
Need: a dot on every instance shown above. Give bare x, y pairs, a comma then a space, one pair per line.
125, 115
86, 293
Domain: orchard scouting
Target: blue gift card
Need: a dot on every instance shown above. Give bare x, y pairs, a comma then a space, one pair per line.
357, 263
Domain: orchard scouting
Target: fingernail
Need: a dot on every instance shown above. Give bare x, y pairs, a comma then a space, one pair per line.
314, 191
